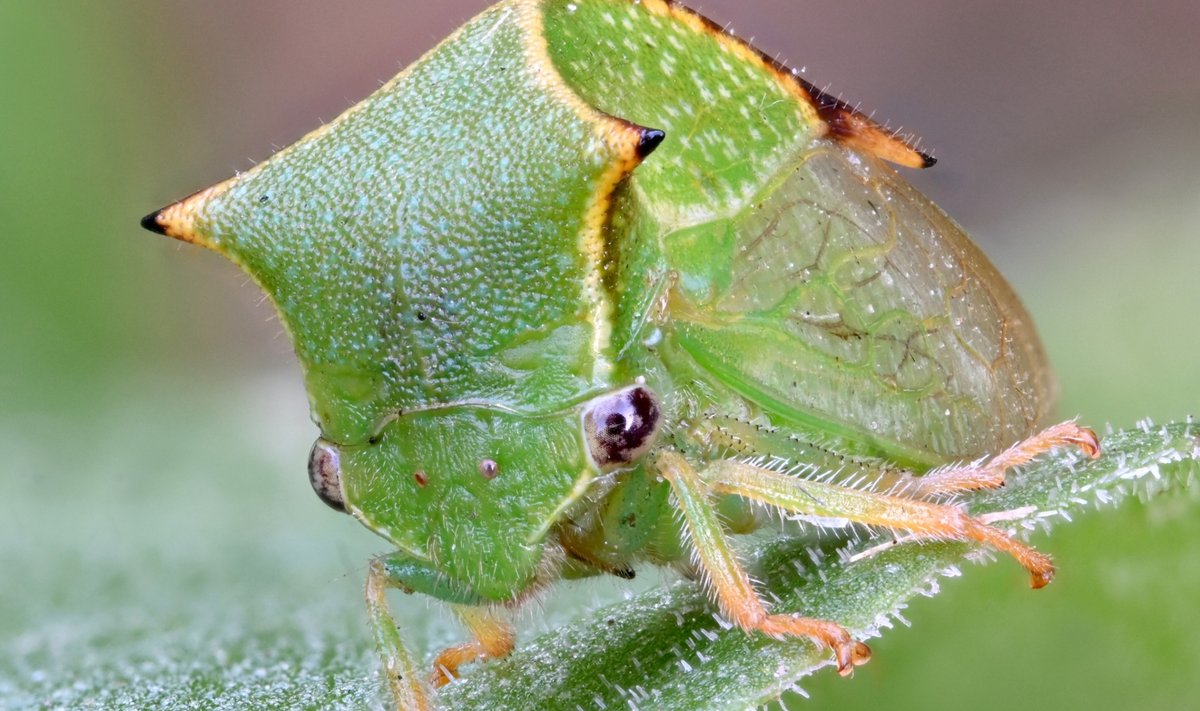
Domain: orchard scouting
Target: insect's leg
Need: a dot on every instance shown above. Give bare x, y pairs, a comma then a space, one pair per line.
407, 688
921, 518
491, 637
732, 586
990, 474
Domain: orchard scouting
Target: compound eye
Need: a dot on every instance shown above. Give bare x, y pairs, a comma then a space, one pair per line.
621, 426
325, 474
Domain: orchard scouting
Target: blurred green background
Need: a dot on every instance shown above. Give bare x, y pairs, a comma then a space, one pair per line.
159, 545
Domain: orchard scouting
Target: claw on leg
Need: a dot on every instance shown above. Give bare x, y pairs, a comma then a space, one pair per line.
847, 652
492, 637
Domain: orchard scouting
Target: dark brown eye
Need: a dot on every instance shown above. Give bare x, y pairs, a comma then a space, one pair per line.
325, 474
621, 426
615, 424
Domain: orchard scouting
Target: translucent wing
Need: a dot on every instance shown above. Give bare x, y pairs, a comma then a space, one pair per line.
844, 300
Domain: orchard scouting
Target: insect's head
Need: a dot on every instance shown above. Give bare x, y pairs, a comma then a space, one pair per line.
485, 454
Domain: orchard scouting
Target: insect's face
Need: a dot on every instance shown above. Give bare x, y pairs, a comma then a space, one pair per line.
477, 477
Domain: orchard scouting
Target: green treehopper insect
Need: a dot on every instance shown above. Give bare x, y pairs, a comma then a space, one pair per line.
595, 284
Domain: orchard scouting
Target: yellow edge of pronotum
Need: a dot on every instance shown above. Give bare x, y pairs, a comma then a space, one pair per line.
625, 141
737, 48
619, 136
853, 128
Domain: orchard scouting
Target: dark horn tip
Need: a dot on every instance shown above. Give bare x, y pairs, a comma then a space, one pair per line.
928, 160
650, 139
151, 223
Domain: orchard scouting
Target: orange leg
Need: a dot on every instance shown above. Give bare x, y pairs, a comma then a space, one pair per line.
407, 690
990, 474
920, 518
491, 636
732, 586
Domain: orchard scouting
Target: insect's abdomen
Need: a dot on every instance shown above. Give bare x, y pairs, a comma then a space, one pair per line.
844, 302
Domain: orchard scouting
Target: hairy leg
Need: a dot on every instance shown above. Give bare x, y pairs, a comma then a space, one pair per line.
922, 519
989, 474
407, 689
491, 637
731, 584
